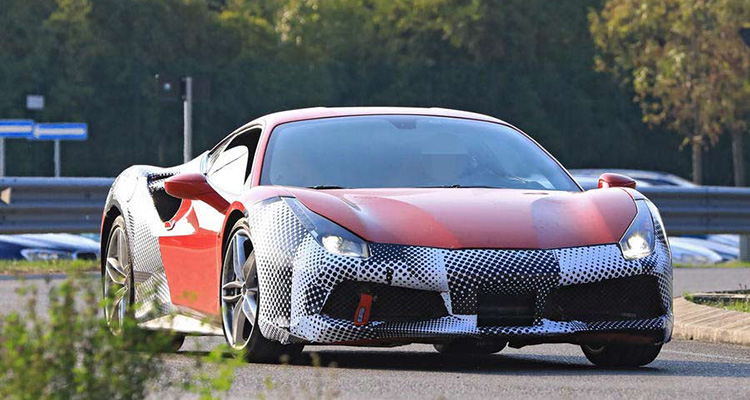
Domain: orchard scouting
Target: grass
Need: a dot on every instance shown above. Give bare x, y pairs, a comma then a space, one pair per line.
728, 264
17, 267
725, 304
733, 305
743, 306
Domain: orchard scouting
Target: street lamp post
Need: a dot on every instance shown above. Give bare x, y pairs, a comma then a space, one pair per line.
187, 147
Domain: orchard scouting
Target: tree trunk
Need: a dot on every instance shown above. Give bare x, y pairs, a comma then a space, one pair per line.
738, 158
697, 160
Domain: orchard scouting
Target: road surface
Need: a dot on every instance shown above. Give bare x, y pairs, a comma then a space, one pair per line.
684, 369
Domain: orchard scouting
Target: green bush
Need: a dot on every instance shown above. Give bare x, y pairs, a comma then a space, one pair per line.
69, 353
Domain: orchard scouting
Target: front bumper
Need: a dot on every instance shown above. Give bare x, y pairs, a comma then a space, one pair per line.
298, 277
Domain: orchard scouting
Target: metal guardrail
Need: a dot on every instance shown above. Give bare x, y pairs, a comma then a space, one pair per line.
75, 205
702, 210
41, 205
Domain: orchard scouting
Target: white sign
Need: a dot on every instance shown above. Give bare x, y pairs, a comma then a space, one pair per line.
35, 102
16, 128
61, 131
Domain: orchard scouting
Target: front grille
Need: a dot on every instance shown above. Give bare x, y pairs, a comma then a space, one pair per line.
505, 310
389, 303
635, 297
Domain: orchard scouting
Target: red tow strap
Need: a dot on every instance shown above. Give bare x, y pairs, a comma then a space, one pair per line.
362, 315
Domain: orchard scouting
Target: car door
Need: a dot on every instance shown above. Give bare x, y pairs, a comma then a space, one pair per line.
190, 244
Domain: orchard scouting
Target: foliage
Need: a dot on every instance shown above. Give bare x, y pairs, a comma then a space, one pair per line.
727, 264
726, 304
69, 353
684, 59
528, 62
10, 267
215, 373
72, 354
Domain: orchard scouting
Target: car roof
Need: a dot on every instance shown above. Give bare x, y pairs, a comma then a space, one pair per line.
328, 112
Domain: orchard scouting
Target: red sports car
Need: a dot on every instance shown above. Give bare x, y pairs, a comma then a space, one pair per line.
387, 226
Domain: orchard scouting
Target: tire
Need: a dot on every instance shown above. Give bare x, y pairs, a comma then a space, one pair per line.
240, 297
117, 276
621, 355
469, 346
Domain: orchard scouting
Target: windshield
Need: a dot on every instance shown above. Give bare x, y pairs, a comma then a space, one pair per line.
398, 151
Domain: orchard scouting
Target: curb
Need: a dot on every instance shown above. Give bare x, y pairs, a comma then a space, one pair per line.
709, 324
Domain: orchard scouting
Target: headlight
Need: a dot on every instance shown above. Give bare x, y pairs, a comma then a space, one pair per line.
333, 238
638, 240
46, 255
339, 245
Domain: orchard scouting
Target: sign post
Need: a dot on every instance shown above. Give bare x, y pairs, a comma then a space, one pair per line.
187, 149
13, 129
191, 90
56, 158
58, 132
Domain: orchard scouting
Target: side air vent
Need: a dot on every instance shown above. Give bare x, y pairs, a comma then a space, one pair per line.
165, 204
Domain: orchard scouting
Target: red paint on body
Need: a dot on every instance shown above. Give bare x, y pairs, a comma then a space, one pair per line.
190, 266
610, 180
443, 218
476, 218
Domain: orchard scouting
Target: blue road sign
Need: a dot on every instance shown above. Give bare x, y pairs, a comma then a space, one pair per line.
61, 131
16, 128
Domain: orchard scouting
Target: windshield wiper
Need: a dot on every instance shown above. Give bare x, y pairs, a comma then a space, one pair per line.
323, 187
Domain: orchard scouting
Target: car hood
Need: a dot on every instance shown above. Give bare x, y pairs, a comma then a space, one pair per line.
464, 218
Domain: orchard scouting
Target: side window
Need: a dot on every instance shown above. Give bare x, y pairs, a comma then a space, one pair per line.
232, 166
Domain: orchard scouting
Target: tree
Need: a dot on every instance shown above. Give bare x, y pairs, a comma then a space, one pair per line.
733, 63
24, 44
72, 55
526, 61
684, 65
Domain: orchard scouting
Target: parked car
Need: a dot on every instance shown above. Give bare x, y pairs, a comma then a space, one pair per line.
726, 252
725, 239
387, 226
686, 252
592, 182
642, 178
48, 247
689, 249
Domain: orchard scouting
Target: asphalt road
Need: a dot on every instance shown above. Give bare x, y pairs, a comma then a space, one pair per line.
685, 369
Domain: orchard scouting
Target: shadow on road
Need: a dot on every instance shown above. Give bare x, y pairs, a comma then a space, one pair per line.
501, 364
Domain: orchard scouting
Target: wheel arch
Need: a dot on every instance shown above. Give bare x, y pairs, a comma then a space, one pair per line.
108, 220
236, 214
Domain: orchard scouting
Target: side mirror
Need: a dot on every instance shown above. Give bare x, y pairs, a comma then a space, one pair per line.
610, 180
195, 187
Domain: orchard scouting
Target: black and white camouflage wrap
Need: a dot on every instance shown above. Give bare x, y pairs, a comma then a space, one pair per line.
296, 275
132, 193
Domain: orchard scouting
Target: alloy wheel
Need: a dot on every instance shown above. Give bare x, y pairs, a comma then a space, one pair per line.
117, 280
239, 290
